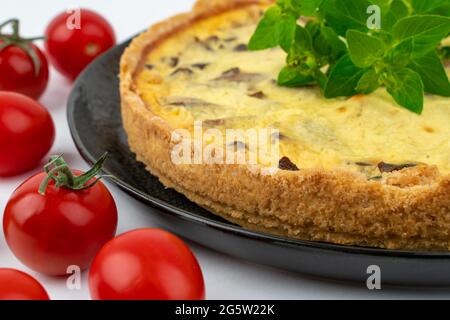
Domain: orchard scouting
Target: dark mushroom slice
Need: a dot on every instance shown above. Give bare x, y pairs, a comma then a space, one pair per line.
369, 169
258, 95
241, 48
213, 38
204, 44
150, 66
280, 136
230, 39
236, 75
186, 71
231, 122
173, 61
188, 102
239, 145
286, 164
214, 123
388, 167
237, 24
200, 66
364, 164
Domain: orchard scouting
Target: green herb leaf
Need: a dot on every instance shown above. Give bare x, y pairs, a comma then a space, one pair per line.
396, 11
427, 31
399, 9
433, 74
406, 87
425, 6
321, 79
308, 8
364, 49
400, 56
369, 82
442, 11
342, 15
266, 34
275, 29
286, 31
337, 51
343, 79
303, 40
444, 52
293, 77
328, 44
383, 4
302, 62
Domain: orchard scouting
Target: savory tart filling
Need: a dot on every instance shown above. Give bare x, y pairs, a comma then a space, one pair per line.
206, 73
361, 170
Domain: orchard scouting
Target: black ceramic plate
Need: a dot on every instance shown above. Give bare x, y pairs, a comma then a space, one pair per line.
95, 123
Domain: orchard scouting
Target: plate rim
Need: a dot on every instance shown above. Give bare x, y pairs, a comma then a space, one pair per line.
222, 226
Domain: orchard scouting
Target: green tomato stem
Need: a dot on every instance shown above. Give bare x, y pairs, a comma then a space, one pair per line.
58, 171
15, 39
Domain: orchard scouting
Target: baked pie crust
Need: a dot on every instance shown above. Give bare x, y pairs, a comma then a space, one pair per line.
405, 207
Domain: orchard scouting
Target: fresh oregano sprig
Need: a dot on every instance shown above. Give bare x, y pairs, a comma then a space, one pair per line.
337, 49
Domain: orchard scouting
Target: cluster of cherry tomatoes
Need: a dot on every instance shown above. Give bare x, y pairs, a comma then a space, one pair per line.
62, 218
26, 128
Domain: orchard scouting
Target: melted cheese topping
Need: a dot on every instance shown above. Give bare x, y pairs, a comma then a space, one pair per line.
205, 73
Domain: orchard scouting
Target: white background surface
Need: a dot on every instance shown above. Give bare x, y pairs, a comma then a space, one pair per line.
225, 277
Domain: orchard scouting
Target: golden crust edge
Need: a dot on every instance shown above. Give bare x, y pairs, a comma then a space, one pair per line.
323, 205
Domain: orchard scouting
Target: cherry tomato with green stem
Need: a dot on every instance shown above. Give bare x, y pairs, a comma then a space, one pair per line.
23, 66
60, 218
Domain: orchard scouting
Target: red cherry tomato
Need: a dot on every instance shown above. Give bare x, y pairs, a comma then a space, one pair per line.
75, 39
26, 133
17, 285
23, 66
146, 264
48, 233
18, 73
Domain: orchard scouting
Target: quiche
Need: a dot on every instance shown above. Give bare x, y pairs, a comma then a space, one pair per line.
353, 171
